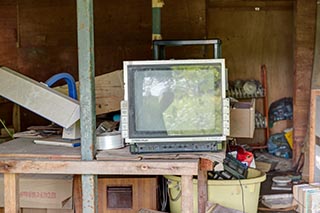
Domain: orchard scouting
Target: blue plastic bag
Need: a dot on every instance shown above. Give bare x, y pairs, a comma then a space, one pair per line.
278, 146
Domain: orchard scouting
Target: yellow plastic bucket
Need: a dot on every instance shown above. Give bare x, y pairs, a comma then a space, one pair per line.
236, 194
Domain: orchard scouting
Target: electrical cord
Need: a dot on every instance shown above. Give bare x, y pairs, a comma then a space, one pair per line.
242, 196
5, 127
163, 194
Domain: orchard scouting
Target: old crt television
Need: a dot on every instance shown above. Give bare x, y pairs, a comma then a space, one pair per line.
175, 105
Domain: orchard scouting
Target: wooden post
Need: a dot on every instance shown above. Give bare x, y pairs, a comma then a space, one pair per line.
77, 193
187, 194
305, 23
11, 193
314, 105
204, 166
87, 100
202, 191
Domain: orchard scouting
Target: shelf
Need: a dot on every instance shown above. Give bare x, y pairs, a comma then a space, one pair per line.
253, 89
245, 89
240, 94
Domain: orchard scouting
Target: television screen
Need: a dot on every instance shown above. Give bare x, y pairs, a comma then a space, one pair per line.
175, 98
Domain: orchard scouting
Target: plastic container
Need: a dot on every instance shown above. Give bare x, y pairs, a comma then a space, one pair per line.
228, 193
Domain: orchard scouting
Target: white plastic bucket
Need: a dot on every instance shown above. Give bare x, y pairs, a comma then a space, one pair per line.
236, 194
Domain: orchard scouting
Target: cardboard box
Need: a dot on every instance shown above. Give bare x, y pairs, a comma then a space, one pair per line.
307, 197
43, 191
242, 119
312, 199
280, 126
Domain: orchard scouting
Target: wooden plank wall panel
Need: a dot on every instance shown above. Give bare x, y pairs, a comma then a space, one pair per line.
6, 113
48, 41
305, 16
48, 38
185, 19
8, 30
8, 53
255, 33
122, 32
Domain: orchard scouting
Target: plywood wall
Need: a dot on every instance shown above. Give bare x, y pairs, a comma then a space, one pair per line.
46, 38
123, 31
47, 33
255, 33
184, 19
8, 33
45, 43
39, 38
8, 51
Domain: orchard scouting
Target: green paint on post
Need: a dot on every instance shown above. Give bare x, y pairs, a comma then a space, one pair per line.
87, 100
156, 20
86, 77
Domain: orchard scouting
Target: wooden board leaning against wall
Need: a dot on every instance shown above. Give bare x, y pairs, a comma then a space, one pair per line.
255, 33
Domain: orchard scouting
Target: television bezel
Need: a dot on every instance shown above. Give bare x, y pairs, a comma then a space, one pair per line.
125, 105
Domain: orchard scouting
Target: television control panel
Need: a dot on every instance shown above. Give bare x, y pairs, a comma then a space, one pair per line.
226, 116
167, 147
124, 119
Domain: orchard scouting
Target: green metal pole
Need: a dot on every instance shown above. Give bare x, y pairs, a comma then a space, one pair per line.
156, 19
87, 100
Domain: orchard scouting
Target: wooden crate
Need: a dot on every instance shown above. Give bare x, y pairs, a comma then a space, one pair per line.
127, 194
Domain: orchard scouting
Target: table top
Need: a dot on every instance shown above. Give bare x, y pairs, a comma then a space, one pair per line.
25, 148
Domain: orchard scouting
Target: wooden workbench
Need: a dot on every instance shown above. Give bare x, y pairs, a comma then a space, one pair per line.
22, 156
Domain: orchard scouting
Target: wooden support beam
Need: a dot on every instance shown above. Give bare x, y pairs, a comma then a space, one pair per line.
305, 17
89, 193
206, 165
187, 194
88, 169
77, 193
87, 97
11, 193
86, 78
202, 191
156, 167
314, 105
